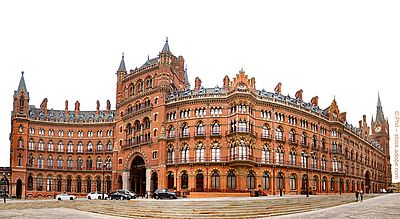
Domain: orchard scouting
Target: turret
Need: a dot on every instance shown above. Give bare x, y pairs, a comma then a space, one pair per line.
21, 98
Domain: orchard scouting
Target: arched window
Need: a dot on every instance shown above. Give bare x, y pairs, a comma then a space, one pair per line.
323, 162
215, 152
50, 162
79, 163
88, 184
242, 150
265, 154
69, 184
314, 144
40, 162
200, 153
292, 155
315, 183
60, 146
49, 184
332, 184
250, 181
185, 130
265, 181
60, 162
80, 147
265, 132
99, 146
279, 156
314, 161
292, 182
292, 136
98, 185
304, 138
59, 184
69, 162
304, 160
231, 180
99, 163
216, 129
279, 134
184, 180
89, 164
90, 147
185, 153
280, 181
20, 160
78, 184
215, 180
41, 145
108, 184
31, 144
171, 132
242, 126
324, 180
30, 183
70, 147
170, 154
334, 165
109, 146
30, 160
200, 129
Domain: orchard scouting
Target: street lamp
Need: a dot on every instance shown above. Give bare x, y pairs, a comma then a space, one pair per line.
104, 166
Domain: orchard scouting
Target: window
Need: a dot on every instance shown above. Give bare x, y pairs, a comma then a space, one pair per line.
231, 180
40, 162
279, 134
90, 147
334, 165
304, 139
324, 184
292, 136
60, 146
185, 153
215, 152
279, 156
185, 130
280, 183
59, 184
31, 145
70, 147
79, 184
292, 182
41, 147
333, 184
98, 184
20, 160
292, 155
50, 146
99, 163
109, 146
200, 153
170, 154
50, 162
200, 129
69, 162
323, 163
80, 147
304, 159
49, 184
99, 147
265, 155
216, 129
265, 181
215, 180
242, 126
184, 180
265, 132
59, 162
69, 184
314, 161
30, 183
155, 155
79, 163
89, 163
171, 132
30, 160
250, 181
88, 184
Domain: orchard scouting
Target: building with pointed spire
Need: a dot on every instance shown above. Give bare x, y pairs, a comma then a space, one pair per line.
205, 141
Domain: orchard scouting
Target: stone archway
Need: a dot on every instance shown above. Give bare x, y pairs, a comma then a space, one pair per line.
19, 189
367, 182
153, 182
199, 181
138, 176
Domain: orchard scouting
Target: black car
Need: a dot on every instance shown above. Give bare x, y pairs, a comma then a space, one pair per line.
164, 193
131, 195
119, 196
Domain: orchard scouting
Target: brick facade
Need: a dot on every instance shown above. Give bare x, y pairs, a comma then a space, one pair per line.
163, 134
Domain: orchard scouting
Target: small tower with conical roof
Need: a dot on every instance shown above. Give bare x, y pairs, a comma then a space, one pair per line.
121, 74
21, 98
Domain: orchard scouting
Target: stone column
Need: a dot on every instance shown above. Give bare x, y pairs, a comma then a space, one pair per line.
125, 179
148, 179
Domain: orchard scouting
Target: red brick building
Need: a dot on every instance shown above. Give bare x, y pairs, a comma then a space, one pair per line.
163, 134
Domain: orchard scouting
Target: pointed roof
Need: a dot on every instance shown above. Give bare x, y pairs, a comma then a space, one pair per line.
122, 64
379, 112
21, 86
166, 46
187, 84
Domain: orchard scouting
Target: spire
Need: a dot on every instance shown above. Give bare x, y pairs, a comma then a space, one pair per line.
21, 86
187, 84
379, 112
122, 64
166, 46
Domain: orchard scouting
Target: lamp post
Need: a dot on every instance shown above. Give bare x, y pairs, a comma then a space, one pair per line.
104, 166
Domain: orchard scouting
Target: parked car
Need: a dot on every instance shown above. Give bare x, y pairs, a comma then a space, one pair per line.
96, 195
131, 195
382, 191
164, 193
62, 197
119, 196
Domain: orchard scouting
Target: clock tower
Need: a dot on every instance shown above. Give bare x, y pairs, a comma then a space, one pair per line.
380, 136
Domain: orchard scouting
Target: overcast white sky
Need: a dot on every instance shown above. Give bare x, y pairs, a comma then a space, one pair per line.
71, 50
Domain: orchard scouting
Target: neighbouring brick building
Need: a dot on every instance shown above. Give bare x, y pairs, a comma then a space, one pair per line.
163, 134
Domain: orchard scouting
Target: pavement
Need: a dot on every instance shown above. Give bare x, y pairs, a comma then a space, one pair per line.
321, 206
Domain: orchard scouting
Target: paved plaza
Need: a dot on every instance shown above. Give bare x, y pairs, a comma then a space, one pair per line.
332, 206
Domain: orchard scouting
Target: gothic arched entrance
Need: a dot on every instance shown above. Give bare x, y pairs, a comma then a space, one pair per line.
170, 180
199, 182
138, 176
367, 182
304, 184
154, 182
19, 189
